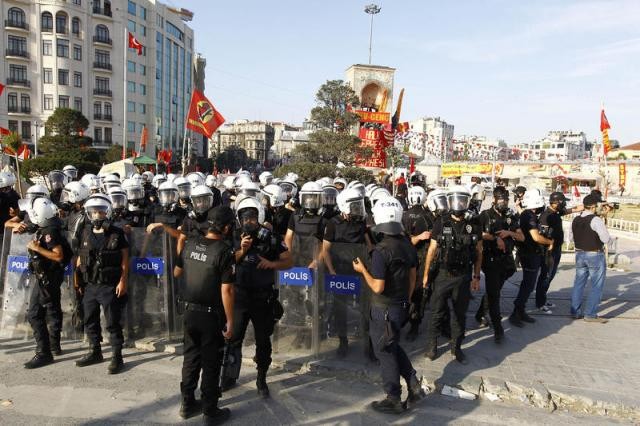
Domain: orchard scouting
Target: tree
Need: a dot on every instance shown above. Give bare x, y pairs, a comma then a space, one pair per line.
335, 99
233, 158
13, 141
114, 153
329, 147
66, 122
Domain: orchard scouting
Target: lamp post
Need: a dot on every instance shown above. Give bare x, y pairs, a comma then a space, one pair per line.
371, 9
37, 124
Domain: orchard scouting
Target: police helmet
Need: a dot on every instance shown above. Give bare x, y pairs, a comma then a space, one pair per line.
340, 183
136, 177
518, 192
458, 198
118, 198
98, 209
387, 214
249, 203
184, 187
36, 191
311, 196
41, 211
201, 199
168, 194
378, 194
158, 180
477, 192
241, 180
358, 186
74, 192
532, 200
416, 196
171, 177
147, 177
134, 190
500, 198
228, 183
329, 195
291, 176
557, 197
70, 171
274, 194
57, 180
265, 178
250, 188
369, 189
289, 188
92, 181
195, 179
351, 202
110, 181
211, 181
437, 201
7, 180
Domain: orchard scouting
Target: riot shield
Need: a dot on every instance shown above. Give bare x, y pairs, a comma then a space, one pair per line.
175, 303
6, 243
71, 302
345, 295
17, 288
147, 312
298, 329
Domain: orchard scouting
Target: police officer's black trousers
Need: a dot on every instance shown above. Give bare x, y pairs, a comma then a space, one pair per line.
494, 278
530, 269
252, 305
203, 343
44, 306
548, 270
394, 362
105, 296
456, 288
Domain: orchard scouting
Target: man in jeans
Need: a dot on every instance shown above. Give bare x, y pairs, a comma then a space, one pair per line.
590, 235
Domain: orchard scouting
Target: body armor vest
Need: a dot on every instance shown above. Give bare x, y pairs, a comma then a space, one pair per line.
399, 255
101, 265
457, 245
202, 277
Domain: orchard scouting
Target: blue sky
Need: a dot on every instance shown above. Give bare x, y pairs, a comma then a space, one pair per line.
507, 69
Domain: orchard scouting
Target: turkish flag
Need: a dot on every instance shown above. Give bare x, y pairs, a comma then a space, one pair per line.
203, 117
1, 88
4, 132
604, 123
135, 44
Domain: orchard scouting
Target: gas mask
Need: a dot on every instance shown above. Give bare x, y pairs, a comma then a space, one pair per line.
249, 222
501, 204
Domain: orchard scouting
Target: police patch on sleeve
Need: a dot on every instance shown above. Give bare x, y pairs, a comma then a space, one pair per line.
469, 228
508, 221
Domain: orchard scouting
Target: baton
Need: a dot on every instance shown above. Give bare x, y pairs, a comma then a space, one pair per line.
225, 363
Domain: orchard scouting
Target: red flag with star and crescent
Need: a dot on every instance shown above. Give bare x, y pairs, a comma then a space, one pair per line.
203, 117
135, 44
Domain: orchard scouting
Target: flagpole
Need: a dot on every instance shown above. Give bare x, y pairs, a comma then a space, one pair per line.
184, 139
124, 96
604, 152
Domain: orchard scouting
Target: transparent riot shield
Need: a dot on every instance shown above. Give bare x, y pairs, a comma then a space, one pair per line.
298, 329
147, 311
18, 283
175, 302
345, 295
71, 303
6, 243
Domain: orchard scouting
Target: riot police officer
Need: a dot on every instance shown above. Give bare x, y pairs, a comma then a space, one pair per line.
168, 215
72, 201
196, 220
71, 172
103, 261
139, 210
500, 230
258, 253
46, 264
329, 201
459, 258
531, 254
392, 280
417, 224
57, 180
207, 263
8, 199
211, 182
275, 213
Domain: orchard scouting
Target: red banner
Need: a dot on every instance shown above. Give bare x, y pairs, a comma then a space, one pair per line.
373, 117
373, 139
203, 117
622, 174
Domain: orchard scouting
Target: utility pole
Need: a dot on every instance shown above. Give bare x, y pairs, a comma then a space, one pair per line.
371, 9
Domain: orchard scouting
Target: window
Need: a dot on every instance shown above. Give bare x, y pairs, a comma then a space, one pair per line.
77, 2
26, 130
18, 72
46, 22
102, 33
108, 137
143, 30
102, 83
131, 66
561, 145
143, 13
62, 48
77, 104
63, 101
102, 57
131, 106
16, 17
142, 108
132, 8
47, 75
140, 127
159, 21
131, 126
75, 26
17, 45
175, 31
61, 23
46, 48
107, 110
97, 109
131, 87
63, 77
131, 26
77, 79
97, 134
13, 126
143, 89
143, 69
25, 103
77, 52
12, 102
48, 102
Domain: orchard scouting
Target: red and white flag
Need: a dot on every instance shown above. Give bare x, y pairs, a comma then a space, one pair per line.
135, 44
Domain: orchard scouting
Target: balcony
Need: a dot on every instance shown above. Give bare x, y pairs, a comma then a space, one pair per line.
102, 40
46, 29
102, 142
15, 25
19, 83
102, 117
102, 92
102, 66
101, 11
17, 53
15, 109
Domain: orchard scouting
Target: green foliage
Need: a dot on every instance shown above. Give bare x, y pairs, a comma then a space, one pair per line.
114, 153
13, 141
66, 122
87, 161
233, 158
50, 144
329, 147
332, 98
308, 171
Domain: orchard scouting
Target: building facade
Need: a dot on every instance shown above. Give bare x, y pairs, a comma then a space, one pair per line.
560, 145
255, 137
437, 137
480, 148
72, 54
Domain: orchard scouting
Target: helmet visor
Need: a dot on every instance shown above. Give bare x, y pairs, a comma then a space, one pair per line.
356, 208
287, 188
135, 193
97, 212
118, 201
441, 203
56, 180
67, 197
311, 201
458, 202
329, 196
72, 174
184, 190
167, 196
202, 203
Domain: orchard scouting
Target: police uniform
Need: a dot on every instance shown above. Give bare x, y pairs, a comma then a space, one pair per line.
279, 218
44, 303
497, 265
101, 268
551, 222
207, 264
531, 258
457, 241
8, 200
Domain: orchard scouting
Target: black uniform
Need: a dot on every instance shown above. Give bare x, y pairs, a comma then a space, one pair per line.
531, 257
207, 264
497, 265
457, 242
279, 218
551, 224
140, 218
44, 303
8, 199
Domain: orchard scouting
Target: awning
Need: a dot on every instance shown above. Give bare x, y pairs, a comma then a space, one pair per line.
143, 159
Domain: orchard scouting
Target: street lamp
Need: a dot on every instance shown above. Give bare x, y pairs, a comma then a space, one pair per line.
371, 9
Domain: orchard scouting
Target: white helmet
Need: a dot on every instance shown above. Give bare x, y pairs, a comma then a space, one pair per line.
136, 177
57, 180
87, 179
251, 189
458, 197
265, 178
70, 171
416, 196
532, 199
158, 180
168, 194
387, 214
92, 181
7, 179
291, 176
359, 186
98, 209
171, 177
289, 188
41, 211
274, 194
378, 194
311, 196
74, 192
118, 197
110, 181
340, 181
228, 183
477, 192
147, 177
250, 203
37, 191
184, 187
326, 180
134, 190
201, 199
351, 202
329, 195
241, 180
195, 179
369, 189
437, 201
211, 181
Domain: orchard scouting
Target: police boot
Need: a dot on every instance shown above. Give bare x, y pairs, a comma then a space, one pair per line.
56, 349
412, 334
498, 333
39, 360
415, 392
526, 318
343, 348
93, 357
456, 352
389, 405
218, 416
369, 353
190, 406
261, 383
116, 364
515, 319
432, 349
